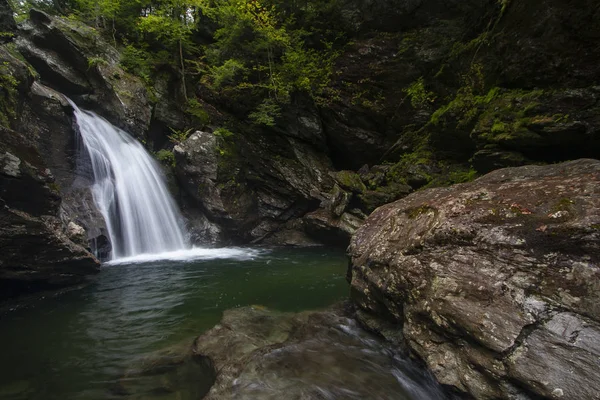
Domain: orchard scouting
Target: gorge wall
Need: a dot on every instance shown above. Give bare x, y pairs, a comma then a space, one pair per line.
425, 93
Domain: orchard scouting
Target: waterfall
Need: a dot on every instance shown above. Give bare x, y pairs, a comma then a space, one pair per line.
129, 190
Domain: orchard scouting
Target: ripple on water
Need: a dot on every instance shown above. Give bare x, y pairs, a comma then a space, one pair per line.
79, 345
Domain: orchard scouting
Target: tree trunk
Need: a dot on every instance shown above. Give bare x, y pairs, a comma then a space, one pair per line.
182, 71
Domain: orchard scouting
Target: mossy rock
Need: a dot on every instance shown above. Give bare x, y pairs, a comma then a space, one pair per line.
371, 199
350, 181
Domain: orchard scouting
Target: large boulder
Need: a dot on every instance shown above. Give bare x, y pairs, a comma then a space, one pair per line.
39, 249
263, 354
495, 283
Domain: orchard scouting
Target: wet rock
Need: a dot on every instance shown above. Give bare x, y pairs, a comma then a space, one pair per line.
495, 282
37, 253
262, 354
175, 372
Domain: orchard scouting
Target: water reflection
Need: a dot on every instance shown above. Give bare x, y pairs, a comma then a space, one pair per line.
81, 345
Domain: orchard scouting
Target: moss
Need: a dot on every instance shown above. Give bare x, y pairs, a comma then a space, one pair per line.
413, 165
419, 96
166, 157
8, 94
508, 117
223, 132
465, 107
564, 204
53, 186
462, 176
195, 109
414, 213
350, 181
96, 61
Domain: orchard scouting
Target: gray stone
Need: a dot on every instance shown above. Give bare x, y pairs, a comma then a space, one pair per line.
489, 285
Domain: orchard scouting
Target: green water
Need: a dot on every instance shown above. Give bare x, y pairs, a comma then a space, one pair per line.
75, 346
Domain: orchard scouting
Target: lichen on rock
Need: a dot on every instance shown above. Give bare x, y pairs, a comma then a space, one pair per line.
494, 281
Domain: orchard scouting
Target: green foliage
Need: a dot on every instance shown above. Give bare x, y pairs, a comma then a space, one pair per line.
136, 61
419, 96
8, 94
469, 100
462, 175
258, 48
178, 136
195, 109
95, 61
166, 157
266, 113
231, 72
223, 133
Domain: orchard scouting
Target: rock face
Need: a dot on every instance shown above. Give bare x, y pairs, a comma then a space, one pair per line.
257, 189
73, 59
495, 283
37, 250
47, 218
261, 354
7, 22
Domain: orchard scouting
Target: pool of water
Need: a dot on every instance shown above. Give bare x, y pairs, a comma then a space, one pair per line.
75, 346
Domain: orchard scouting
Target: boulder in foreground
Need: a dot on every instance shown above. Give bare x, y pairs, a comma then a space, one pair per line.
495, 283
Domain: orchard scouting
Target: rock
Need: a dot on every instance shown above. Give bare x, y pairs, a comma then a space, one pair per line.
249, 186
176, 372
339, 201
76, 233
7, 22
350, 181
262, 354
47, 119
74, 59
495, 282
36, 253
327, 228
196, 160
544, 125
531, 63
485, 161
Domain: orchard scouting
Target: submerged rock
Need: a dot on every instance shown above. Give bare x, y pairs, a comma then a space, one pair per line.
495, 282
262, 354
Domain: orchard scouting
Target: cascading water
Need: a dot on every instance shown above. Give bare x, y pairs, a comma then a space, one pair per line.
129, 190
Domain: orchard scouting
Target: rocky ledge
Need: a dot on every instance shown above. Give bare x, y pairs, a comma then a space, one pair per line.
256, 353
494, 284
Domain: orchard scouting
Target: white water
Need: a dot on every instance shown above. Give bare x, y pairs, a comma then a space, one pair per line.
193, 254
130, 191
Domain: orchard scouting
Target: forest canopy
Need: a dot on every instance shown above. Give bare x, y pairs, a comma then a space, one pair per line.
260, 49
